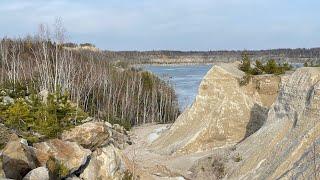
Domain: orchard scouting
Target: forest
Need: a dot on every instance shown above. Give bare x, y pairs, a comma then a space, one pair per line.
78, 84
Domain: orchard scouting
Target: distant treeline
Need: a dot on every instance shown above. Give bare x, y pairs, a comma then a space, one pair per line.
72, 45
280, 55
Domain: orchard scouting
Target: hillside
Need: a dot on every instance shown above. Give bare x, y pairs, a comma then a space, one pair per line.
267, 129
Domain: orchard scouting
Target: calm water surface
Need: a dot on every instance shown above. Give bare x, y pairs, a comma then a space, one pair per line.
184, 78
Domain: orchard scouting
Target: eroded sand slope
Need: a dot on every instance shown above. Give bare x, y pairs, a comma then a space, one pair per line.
223, 113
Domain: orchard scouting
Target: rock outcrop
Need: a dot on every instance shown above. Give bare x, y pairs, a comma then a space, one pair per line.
288, 145
17, 158
90, 135
69, 154
90, 150
223, 113
105, 163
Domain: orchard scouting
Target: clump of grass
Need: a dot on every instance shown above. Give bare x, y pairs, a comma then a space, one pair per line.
219, 168
124, 123
245, 79
56, 169
237, 158
127, 175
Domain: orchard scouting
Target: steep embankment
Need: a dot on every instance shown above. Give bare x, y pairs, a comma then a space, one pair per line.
273, 130
223, 113
287, 146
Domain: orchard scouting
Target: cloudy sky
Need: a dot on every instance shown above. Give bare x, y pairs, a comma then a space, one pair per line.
171, 24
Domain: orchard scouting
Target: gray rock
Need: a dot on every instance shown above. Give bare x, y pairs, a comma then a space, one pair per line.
108, 124
88, 119
73, 178
44, 95
119, 140
2, 175
40, 173
7, 100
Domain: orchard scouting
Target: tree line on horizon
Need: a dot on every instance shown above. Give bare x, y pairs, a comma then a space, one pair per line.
299, 55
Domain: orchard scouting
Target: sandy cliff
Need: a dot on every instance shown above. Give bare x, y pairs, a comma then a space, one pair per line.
223, 113
287, 146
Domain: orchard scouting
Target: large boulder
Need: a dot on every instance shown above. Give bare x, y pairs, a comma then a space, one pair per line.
2, 175
71, 155
40, 173
105, 163
288, 145
90, 135
223, 113
17, 158
5, 134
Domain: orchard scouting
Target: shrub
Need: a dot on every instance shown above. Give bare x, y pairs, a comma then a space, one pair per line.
271, 67
246, 64
218, 168
49, 119
237, 158
147, 80
56, 169
127, 175
245, 80
124, 123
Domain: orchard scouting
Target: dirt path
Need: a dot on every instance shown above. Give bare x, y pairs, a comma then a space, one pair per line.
150, 165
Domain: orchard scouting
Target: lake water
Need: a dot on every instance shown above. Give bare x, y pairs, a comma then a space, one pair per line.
184, 78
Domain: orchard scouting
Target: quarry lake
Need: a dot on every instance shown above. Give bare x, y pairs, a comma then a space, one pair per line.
184, 78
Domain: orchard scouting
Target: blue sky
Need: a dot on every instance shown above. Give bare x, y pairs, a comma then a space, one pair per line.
171, 24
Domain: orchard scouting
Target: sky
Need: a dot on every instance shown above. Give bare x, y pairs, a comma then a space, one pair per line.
171, 24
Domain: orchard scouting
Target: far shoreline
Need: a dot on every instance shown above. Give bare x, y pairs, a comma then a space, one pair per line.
174, 64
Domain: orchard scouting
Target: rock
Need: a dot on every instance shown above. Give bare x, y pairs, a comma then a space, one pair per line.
7, 100
73, 178
44, 95
119, 140
119, 128
105, 163
108, 124
88, 119
5, 134
2, 175
69, 154
287, 146
17, 158
90, 135
40, 173
223, 113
